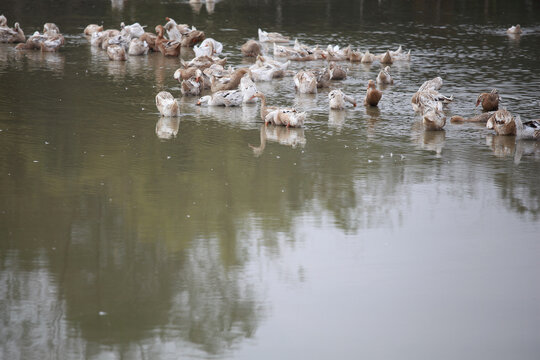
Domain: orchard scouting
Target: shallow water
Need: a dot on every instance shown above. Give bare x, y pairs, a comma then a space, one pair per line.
358, 236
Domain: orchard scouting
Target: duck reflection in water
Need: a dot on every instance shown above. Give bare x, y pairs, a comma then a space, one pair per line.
527, 148
501, 145
374, 113
336, 119
167, 127
428, 140
292, 137
52, 61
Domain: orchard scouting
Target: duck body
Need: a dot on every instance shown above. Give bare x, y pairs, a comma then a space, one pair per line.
373, 95
433, 117
228, 83
52, 44
251, 48
527, 130
272, 37
305, 82
167, 104
165, 46
92, 28
337, 72
223, 98
209, 47
367, 58
384, 77
514, 30
337, 99
489, 101
9, 35
503, 122
248, 88
138, 47
286, 117
116, 53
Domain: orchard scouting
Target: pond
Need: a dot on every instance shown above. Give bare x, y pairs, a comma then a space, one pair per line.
359, 235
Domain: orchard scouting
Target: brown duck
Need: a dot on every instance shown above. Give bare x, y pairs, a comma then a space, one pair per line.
489, 101
167, 47
230, 83
373, 96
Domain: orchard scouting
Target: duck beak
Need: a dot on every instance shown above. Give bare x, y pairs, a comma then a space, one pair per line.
477, 103
354, 105
199, 102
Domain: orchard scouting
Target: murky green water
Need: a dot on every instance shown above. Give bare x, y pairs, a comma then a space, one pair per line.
358, 236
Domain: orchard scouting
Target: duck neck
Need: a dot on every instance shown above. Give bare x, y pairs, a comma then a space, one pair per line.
263, 106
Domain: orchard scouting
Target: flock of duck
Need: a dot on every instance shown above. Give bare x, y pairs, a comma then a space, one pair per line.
234, 87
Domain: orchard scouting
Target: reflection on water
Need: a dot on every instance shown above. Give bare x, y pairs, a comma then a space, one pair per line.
120, 241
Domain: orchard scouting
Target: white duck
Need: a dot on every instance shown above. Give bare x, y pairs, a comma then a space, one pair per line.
116, 52
132, 31
248, 88
138, 47
433, 117
167, 104
337, 99
367, 58
514, 30
305, 82
223, 98
384, 76
208, 47
272, 37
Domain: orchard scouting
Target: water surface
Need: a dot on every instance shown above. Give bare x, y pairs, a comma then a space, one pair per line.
358, 236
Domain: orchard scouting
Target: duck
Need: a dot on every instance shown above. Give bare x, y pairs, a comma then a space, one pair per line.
223, 98
116, 53
527, 130
386, 58
52, 44
279, 116
98, 38
334, 53
3, 21
384, 77
209, 47
399, 55
50, 29
503, 122
336, 71
433, 118
193, 86
230, 83
267, 72
489, 101
514, 30
373, 96
15, 35
165, 46
367, 58
92, 28
251, 48
134, 30
355, 56
323, 77
166, 103
428, 92
305, 82
188, 37
272, 37
337, 99
150, 39
248, 88
138, 47
203, 62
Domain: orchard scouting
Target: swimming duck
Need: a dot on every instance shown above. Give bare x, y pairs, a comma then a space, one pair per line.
167, 104
15, 35
209, 47
337, 72
337, 99
433, 117
251, 48
52, 43
223, 98
203, 62
134, 30
384, 76
514, 30
265, 110
248, 88
182, 33
272, 37
503, 122
3, 21
150, 40
400, 55
165, 46
386, 58
528, 129
323, 77
355, 56
373, 96
116, 52
305, 82
193, 86
367, 58
50, 29
334, 53
286, 117
427, 92
489, 101
92, 28
230, 83
138, 47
